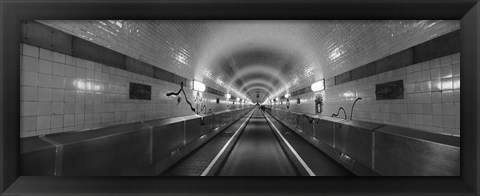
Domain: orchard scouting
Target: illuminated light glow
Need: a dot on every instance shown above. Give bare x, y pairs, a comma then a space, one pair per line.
238, 99
237, 94
80, 85
287, 95
349, 94
119, 24
263, 83
309, 71
180, 57
198, 86
438, 85
89, 86
456, 84
447, 84
336, 53
228, 96
318, 86
261, 69
96, 87
258, 88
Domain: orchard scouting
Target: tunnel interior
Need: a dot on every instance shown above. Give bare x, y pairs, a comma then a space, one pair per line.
320, 83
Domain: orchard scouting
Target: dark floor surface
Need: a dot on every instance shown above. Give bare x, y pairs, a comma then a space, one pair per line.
257, 153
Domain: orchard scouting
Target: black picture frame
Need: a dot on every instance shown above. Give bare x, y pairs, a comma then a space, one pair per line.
12, 12
389, 90
139, 91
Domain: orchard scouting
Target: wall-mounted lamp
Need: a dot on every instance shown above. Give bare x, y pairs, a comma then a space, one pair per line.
318, 86
287, 95
198, 86
238, 99
227, 96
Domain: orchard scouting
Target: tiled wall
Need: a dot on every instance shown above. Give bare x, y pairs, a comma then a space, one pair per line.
52, 100
431, 97
188, 48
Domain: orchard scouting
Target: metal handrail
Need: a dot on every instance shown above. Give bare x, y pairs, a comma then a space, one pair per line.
351, 112
338, 112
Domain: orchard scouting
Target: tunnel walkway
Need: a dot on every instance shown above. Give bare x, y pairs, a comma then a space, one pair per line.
257, 152
250, 147
199, 159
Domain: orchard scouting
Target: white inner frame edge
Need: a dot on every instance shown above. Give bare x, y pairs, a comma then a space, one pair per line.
205, 172
310, 172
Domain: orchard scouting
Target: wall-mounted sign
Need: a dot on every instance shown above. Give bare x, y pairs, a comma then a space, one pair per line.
140, 91
389, 90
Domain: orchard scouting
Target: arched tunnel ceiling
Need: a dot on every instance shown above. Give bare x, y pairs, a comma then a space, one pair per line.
283, 55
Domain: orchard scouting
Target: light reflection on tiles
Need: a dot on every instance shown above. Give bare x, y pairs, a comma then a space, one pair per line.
180, 46
431, 105
88, 102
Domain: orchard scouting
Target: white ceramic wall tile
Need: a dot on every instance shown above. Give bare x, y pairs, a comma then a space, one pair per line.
428, 98
45, 80
43, 122
45, 66
29, 50
69, 120
46, 54
44, 94
44, 108
28, 108
178, 45
69, 108
58, 57
28, 123
438, 121
59, 105
58, 82
57, 121
456, 96
28, 93
28, 78
28, 63
448, 109
447, 96
70, 71
58, 69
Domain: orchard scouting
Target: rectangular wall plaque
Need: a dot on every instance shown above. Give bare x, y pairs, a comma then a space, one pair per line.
389, 90
140, 91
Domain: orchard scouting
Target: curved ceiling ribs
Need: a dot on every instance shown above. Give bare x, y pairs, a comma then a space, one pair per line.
278, 57
260, 74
